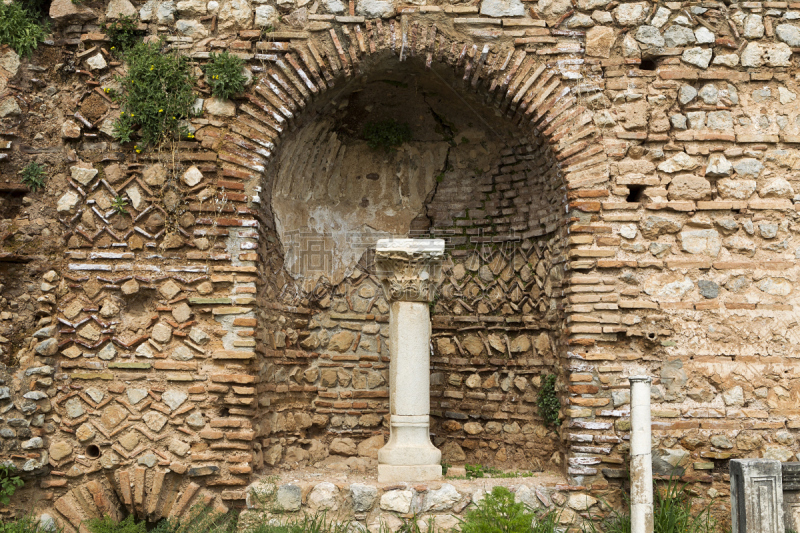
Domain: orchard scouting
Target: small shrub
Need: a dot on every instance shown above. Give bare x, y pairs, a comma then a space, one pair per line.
9, 482
123, 33
157, 94
547, 400
109, 525
386, 134
499, 513
224, 75
33, 176
20, 29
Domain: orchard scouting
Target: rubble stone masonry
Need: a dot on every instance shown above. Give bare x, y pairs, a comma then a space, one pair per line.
614, 181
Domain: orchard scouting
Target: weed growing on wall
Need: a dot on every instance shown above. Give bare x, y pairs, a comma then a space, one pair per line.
224, 75
547, 400
20, 28
33, 176
9, 482
120, 204
386, 134
157, 94
122, 34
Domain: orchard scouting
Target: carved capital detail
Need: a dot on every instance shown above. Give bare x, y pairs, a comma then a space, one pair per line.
409, 269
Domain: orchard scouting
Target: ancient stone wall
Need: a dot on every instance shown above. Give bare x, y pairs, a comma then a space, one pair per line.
625, 205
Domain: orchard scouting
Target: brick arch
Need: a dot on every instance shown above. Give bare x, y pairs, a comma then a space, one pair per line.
531, 92
148, 494
538, 96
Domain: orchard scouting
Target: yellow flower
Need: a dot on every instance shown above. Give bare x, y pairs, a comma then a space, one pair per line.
160, 110
132, 115
122, 113
138, 151
113, 47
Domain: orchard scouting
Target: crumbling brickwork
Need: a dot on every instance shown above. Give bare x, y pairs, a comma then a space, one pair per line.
622, 202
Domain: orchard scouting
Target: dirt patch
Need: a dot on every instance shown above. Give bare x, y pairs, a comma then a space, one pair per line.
10, 205
47, 56
94, 107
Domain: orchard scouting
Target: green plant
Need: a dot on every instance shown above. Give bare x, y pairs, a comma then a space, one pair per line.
119, 204
316, 523
478, 471
499, 513
224, 75
547, 400
123, 33
33, 176
157, 94
9, 482
200, 519
672, 513
20, 29
386, 134
109, 525
26, 524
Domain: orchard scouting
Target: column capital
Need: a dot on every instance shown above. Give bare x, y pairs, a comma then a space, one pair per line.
409, 268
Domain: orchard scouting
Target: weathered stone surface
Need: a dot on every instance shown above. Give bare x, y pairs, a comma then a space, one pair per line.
788, 33
223, 108
738, 189
689, 187
155, 421
289, 497
174, 398
649, 35
502, 8
343, 446
718, 166
679, 162
441, 499
369, 447
776, 188
59, 450
653, 226
363, 496
182, 312
700, 57
63, 11
677, 35
397, 500
706, 241
599, 41
324, 497
631, 14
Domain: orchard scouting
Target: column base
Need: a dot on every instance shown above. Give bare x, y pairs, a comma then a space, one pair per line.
416, 473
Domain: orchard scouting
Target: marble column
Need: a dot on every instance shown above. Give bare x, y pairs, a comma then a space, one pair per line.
408, 269
641, 456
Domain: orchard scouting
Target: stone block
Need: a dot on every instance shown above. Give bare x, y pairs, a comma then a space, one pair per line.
756, 496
